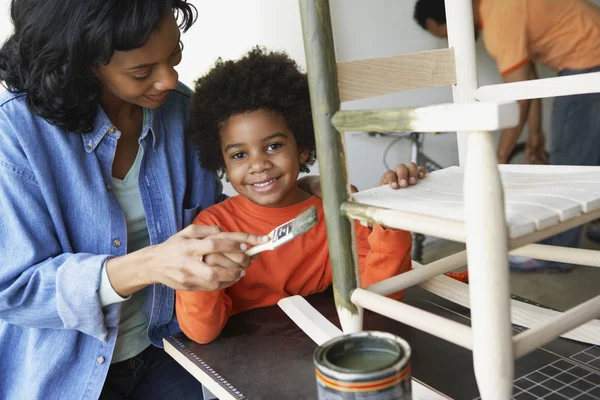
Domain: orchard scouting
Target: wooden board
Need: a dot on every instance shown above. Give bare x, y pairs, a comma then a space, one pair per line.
535, 198
540, 88
360, 79
437, 118
523, 314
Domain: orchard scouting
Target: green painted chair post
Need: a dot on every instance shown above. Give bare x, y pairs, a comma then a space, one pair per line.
325, 102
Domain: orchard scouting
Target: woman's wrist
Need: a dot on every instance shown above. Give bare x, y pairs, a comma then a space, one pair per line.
130, 273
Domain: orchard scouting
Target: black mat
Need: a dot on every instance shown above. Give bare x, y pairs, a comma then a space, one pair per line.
262, 354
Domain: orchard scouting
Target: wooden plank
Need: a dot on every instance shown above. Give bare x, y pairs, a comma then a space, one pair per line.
565, 208
573, 170
421, 200
536, 236
360, 79
438, 118
442, 213
564, 185
423, 392
587, 201
534, 199
312, 322
523, 314
521, 177
541, 217
528, 341
207, 381
540, 88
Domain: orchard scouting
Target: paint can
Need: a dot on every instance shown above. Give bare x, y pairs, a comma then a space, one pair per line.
364, 365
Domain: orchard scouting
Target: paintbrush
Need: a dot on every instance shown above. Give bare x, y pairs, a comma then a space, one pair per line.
288, 231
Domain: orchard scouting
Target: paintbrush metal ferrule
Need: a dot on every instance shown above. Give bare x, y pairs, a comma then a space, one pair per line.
283, 233
288, 231
296, 227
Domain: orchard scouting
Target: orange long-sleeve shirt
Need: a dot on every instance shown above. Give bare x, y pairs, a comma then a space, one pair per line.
561, 34
301, 266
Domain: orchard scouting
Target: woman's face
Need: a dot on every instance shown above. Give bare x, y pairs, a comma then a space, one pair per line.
144, 76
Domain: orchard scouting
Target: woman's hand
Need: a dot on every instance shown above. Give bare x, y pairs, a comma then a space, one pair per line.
403, 175
197, 258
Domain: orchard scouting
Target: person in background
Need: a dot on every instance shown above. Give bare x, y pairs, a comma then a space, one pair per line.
563, 35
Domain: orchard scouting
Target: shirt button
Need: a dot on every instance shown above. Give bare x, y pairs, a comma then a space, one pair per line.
90, 145
112, 130
108, 187
117, 243
100, 360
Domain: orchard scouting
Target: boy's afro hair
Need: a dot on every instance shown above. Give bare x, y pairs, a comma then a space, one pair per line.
260, 79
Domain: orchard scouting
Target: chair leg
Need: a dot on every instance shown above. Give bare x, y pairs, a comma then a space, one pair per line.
461, 38
325, 101
489, 285
417, 247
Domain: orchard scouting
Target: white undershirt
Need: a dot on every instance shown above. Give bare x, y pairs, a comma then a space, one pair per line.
132, 337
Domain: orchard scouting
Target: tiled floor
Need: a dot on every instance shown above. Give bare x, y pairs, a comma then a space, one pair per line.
559, 380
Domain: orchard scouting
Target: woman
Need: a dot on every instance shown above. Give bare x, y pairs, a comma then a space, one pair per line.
93, 193
97, 187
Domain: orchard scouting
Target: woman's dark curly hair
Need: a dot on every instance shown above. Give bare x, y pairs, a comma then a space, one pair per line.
57, 45
260, 79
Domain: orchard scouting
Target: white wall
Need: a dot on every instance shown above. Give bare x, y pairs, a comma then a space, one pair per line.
362, 29
222, 32
368, 29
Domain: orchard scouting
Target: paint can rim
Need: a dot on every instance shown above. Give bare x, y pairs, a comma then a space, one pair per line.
400, 362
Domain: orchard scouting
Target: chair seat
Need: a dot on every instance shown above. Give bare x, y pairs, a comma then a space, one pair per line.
536, 196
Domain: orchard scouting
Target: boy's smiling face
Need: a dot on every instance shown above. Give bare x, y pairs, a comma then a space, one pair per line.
262, 159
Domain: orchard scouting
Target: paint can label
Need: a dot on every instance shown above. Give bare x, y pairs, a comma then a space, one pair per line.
395, 388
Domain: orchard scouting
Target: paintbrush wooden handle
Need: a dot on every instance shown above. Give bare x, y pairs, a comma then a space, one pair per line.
259, 248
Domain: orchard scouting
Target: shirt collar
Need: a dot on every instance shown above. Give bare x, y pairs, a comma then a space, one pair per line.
150, 125
103, 126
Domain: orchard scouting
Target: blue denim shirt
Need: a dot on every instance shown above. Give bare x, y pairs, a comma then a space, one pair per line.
59, 222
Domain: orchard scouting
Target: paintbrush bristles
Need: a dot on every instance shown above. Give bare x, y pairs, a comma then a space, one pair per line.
304, 221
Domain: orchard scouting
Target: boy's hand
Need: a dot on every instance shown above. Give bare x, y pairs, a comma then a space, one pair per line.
403, 175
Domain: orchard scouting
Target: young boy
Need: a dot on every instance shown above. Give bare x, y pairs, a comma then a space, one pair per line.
251, 120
